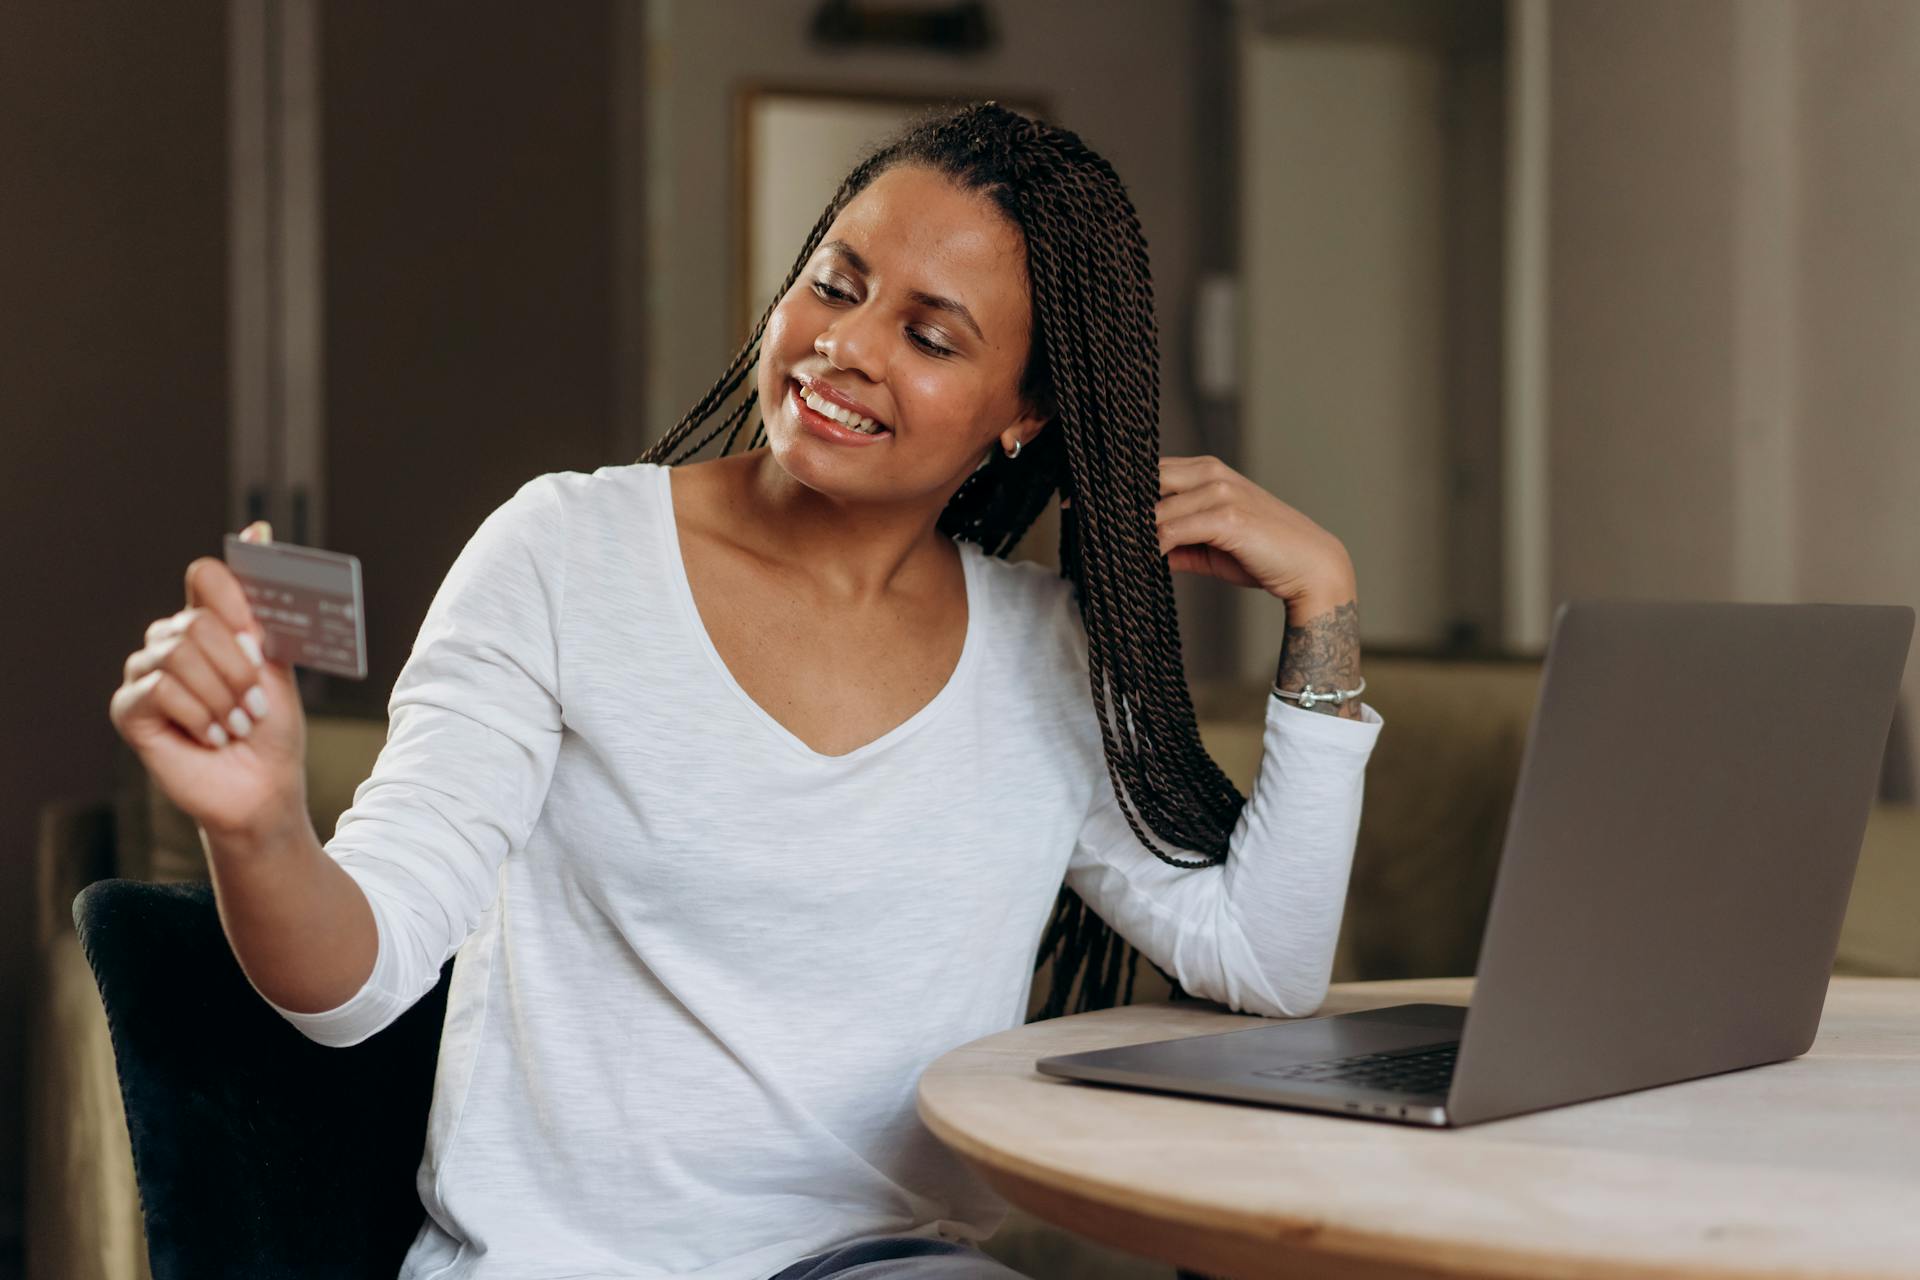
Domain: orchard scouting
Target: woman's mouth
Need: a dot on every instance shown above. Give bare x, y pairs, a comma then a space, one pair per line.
823, 422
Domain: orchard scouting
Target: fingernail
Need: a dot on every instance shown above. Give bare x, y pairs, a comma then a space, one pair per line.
257, 702
252, 648
241, 725
218, 735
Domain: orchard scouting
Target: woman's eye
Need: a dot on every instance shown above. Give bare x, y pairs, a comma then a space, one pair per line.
931, 347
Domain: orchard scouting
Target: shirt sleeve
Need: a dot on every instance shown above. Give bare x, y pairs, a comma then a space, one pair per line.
474, 726
1257, 931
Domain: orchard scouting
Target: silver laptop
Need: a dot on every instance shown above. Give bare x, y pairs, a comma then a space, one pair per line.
1678, 858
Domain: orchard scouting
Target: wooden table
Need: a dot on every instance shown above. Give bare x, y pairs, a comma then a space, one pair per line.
1810, 1166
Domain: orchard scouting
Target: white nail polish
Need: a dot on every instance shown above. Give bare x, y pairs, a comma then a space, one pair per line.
218, 735
251, 647
256, 701
241, 725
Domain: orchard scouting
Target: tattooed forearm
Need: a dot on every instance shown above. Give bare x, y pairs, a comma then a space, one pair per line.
1323, 652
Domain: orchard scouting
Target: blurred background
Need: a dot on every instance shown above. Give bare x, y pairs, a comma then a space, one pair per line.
1523, 299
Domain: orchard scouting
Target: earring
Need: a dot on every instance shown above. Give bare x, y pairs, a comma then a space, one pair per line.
1015, 451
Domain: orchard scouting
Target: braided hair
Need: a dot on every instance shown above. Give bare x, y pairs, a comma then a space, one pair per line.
1093, 368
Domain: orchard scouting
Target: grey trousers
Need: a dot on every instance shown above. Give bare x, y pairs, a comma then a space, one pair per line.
900, 1258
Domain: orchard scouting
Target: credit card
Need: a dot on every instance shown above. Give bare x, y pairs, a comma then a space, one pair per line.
309, 602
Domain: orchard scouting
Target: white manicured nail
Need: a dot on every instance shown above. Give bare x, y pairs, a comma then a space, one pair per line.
218, 735
252, 648
256, 701
241, 725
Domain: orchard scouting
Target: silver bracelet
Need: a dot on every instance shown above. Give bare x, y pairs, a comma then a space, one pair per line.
1307, 697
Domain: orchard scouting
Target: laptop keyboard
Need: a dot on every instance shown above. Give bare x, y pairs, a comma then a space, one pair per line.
1425, 1071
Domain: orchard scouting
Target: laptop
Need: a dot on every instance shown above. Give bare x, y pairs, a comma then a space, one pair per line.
1682, 842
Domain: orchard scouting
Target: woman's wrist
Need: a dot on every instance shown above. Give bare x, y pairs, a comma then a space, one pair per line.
1322, 647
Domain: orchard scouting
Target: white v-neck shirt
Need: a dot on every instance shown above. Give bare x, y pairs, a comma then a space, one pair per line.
701, 965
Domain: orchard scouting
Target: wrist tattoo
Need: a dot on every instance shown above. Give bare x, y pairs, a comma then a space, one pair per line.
1323, 653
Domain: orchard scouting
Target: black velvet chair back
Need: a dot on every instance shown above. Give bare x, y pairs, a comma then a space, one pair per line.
259, 1153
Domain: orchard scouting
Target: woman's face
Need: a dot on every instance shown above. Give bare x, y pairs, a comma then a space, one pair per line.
915, 307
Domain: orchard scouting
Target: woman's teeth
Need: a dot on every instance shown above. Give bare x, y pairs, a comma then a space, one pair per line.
865, 426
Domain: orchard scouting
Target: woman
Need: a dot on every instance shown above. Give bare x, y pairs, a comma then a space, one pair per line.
745, 788
972, 190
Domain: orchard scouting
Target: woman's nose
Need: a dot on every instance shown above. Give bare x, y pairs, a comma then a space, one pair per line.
851, 342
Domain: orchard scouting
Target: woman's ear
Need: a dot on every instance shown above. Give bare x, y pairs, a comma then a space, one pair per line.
1030, 423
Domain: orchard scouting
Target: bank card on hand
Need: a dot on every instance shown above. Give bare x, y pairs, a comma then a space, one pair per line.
309, 602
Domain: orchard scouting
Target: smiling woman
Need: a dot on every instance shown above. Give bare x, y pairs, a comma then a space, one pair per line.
743, 788
979, 288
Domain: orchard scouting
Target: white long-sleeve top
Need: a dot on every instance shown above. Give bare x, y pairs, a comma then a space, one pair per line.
701, 965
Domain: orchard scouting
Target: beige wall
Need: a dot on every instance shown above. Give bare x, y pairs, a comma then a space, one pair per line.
1372, 227
1640, 301
1856, 466
1344, 238
1723, 306
1734, 301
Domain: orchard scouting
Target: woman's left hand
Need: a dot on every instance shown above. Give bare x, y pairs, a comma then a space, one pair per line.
1214, 521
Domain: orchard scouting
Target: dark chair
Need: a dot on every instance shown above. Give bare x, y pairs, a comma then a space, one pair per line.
258, 1153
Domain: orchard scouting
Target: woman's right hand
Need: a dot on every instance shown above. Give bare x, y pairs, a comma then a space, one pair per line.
183, 706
